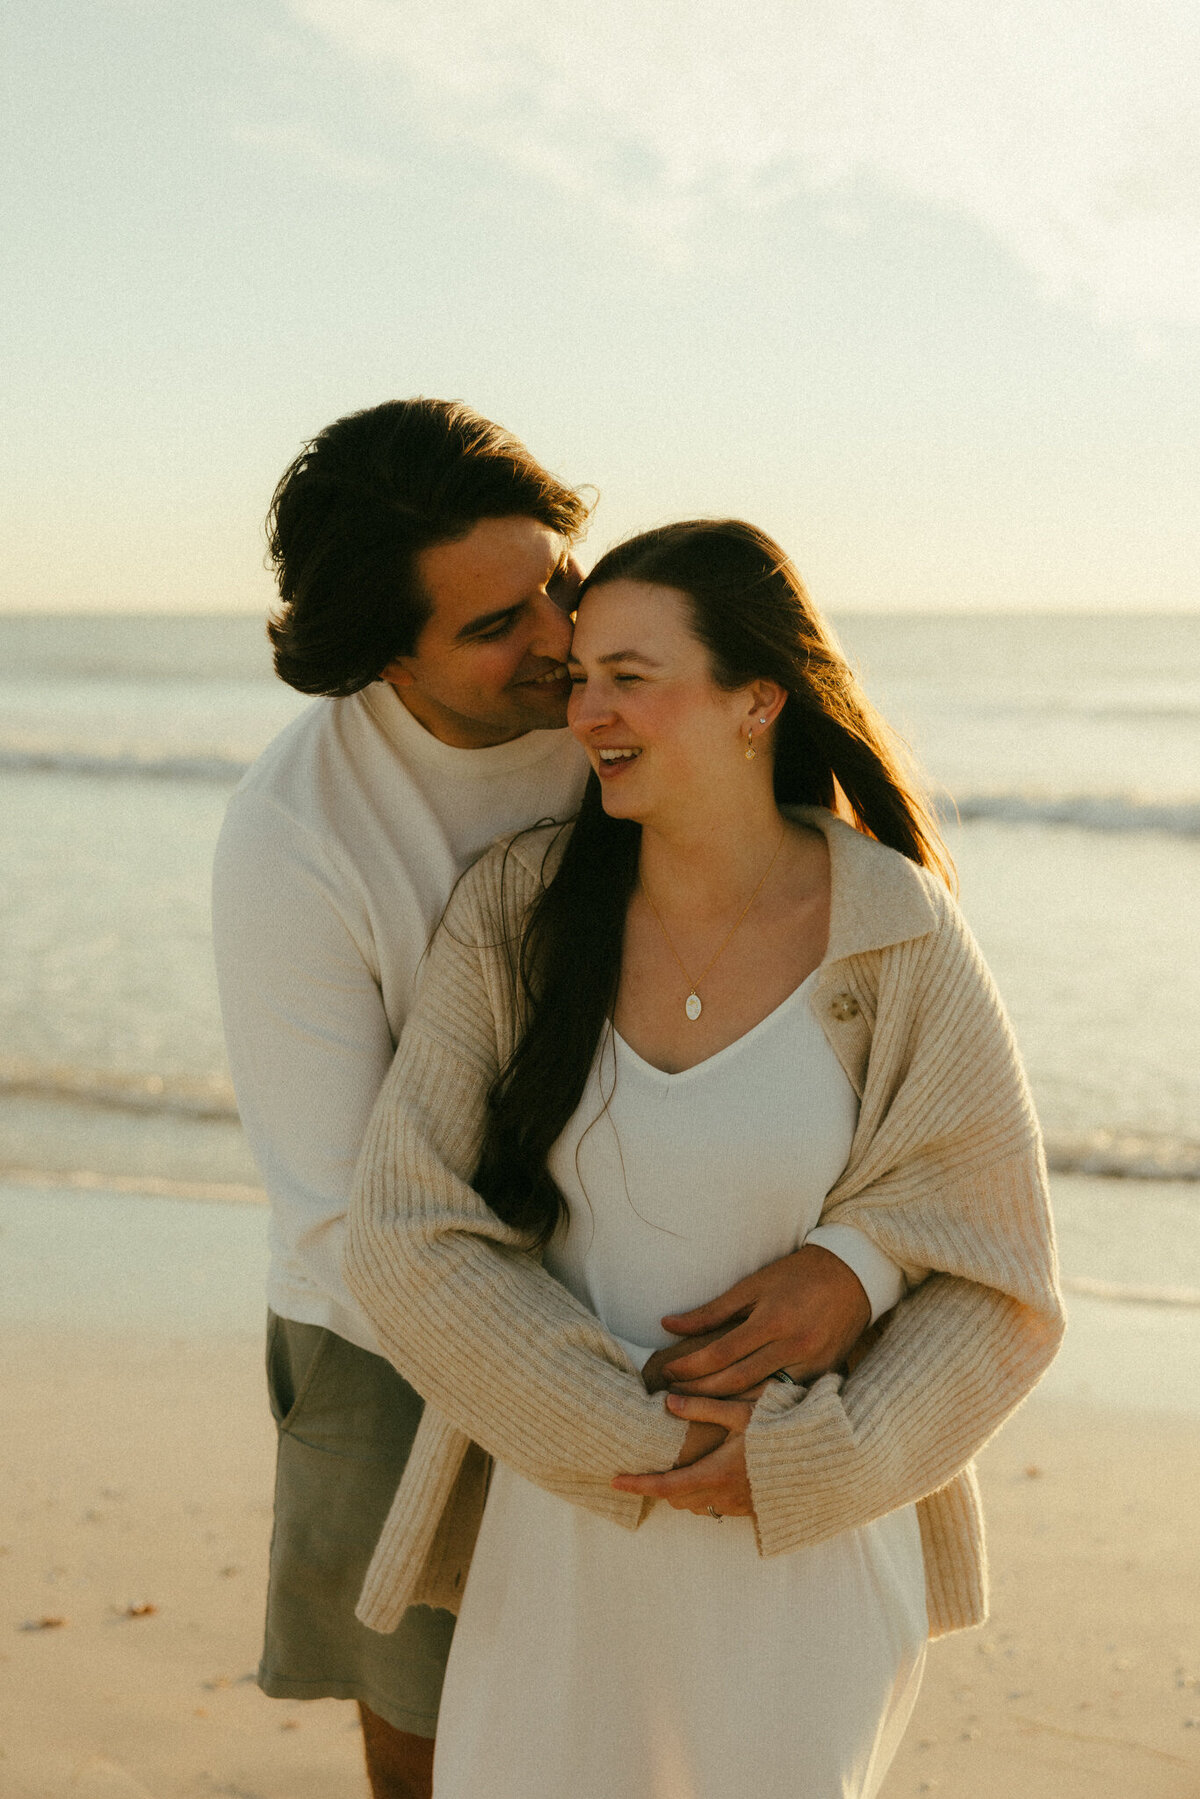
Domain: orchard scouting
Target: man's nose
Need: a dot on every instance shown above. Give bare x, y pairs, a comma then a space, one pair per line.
552, 630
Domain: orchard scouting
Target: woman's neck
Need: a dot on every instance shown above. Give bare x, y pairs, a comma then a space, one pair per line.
709, 862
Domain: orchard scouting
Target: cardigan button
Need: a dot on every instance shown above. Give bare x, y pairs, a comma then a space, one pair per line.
844, 1006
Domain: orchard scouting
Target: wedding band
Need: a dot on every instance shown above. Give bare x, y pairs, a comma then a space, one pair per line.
783, 1375
714, 1513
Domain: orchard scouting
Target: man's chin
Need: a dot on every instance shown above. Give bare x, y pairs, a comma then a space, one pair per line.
544, 708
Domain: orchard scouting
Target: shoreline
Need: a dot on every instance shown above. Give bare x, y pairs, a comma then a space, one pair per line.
86, 1181
1132, 1244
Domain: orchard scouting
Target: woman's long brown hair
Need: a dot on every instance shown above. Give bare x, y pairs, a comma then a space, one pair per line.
753, 615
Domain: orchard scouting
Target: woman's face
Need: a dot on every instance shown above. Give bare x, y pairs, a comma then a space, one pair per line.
657, 728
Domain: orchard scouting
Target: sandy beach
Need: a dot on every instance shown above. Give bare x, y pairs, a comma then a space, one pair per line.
135, 1518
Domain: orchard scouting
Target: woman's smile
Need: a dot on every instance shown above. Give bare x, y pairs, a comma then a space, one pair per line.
612, 763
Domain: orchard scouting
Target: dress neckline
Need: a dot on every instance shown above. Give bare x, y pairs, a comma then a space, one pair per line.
683, 1074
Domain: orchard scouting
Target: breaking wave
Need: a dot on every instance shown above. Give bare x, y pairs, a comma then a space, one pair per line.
190, 1096
1125, 1156
1120, 1155
138, 1186
1083, 811
124, 764
1124, 1294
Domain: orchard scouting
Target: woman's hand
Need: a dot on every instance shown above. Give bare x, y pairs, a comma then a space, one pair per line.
717, 1479
701, 1440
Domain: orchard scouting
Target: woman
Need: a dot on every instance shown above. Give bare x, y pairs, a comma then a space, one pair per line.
656, 1050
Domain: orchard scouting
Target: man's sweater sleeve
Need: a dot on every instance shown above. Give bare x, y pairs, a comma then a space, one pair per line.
308, 1042
878, 1276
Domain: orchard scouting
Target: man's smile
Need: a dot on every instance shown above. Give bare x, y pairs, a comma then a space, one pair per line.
551, 677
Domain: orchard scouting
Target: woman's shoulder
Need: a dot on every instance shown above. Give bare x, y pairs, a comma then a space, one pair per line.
879, 898
521, 859
509, 875
949, 968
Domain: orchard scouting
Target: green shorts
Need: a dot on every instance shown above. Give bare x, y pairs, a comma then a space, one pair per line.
346, 1424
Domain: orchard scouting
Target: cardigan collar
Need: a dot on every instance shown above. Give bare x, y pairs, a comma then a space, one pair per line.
878, 896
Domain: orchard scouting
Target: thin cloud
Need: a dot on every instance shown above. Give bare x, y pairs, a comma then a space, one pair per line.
1070, 132
300, 143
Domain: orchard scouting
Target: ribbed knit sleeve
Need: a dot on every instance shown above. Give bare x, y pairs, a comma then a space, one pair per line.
947, 1175
498, 1346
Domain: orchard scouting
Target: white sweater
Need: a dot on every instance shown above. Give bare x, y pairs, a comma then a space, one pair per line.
337, 856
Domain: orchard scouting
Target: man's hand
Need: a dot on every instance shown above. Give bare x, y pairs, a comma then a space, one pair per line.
718, 1479
654, 1372
803, 1313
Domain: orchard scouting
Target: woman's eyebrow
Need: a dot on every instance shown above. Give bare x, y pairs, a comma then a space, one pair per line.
620, 656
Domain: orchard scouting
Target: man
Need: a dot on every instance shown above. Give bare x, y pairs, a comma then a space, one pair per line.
425, 571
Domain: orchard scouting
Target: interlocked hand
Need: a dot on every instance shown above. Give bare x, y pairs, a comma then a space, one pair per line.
717, 1481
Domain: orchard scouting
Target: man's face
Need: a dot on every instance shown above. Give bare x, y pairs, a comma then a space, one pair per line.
490, 663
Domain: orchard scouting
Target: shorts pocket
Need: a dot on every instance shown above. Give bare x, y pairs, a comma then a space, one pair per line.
296, 1354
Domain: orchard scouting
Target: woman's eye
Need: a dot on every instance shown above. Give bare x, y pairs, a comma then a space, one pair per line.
578, 680
625, 679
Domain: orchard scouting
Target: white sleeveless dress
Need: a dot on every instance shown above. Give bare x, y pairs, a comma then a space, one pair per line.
672, 1662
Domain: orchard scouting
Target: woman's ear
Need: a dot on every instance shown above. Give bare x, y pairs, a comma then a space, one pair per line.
768, 699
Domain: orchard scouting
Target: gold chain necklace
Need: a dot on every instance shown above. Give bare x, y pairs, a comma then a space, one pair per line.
692, 1004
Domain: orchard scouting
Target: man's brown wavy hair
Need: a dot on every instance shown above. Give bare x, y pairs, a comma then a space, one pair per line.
355, 509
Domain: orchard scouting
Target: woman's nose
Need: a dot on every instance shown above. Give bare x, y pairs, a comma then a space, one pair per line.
586, 709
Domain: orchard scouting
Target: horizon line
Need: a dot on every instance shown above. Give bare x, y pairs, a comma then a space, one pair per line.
901, 610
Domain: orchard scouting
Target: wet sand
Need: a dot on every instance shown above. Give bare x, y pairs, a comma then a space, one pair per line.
135, 1507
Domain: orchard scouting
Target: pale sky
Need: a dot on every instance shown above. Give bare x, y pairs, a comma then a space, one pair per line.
914, 284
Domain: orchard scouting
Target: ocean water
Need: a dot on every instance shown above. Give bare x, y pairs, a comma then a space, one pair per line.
1066, 753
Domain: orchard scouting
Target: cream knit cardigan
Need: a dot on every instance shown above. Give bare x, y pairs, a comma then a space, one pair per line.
945, 1174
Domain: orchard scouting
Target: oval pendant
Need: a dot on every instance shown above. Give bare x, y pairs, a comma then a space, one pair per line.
692, 1006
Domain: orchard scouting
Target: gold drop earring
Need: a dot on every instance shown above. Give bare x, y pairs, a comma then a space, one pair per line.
751, 752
